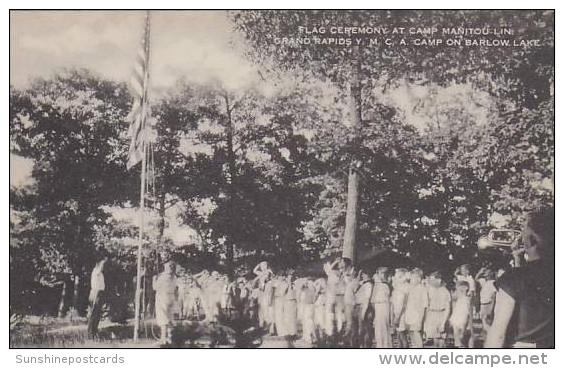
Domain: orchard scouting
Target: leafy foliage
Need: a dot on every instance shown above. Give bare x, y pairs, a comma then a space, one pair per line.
266, 174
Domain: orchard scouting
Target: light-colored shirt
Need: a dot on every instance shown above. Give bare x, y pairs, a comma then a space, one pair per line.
290, 292
307, 295
439, 299
380, 293
165, 286
417, 301
350, 289
97, 279
399, 297
488, 291
364, 293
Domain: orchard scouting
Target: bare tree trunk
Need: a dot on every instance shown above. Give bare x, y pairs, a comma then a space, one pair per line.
75, 293
63, 302
351, 221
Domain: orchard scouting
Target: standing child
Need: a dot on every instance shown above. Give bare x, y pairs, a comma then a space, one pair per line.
187, 297
253, 301
298, 284
461, 317
415, 308
381, 302
351, 315
214, 291
340, 300
319, 311
307, 298
197, 299
263, 275
166, 289
398, 300
438, 311
463, 273
280, 287
365, 311
290, 307
488, 291
268, 301
334, 274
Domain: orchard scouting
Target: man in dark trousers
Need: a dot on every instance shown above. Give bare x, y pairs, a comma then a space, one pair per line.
97, 297
524, 306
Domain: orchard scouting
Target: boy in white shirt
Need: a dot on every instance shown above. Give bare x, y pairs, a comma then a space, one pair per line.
488, 291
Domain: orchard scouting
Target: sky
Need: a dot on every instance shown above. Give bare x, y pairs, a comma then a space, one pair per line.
196, 45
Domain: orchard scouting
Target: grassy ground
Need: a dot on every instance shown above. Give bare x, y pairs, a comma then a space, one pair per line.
34, 332
61, 333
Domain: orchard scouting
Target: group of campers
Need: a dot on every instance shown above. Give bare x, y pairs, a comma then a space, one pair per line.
391, 308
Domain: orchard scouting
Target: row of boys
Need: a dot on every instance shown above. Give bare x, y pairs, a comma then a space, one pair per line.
365, 311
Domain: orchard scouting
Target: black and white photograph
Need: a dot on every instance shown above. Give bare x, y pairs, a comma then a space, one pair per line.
282, 179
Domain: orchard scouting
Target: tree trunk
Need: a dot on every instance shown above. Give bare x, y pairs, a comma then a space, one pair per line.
75, 291
75, 295
351, 221
63, 302
230, 247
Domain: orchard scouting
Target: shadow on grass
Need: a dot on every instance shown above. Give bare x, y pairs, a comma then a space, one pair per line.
231, 330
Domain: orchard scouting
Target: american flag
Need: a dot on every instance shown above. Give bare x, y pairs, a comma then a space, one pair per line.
140, 111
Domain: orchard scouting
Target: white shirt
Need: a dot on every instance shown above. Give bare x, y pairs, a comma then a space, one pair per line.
97, 279
487, 294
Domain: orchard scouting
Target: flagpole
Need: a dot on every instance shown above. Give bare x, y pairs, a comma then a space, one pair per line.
136, 326
140, 246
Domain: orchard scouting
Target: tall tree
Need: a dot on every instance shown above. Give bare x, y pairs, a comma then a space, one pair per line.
71, 127
359, 68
